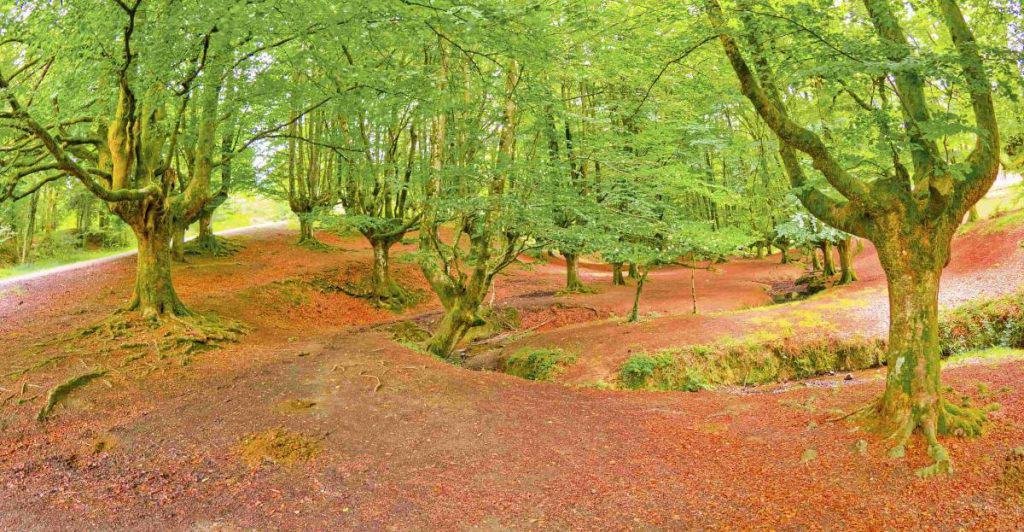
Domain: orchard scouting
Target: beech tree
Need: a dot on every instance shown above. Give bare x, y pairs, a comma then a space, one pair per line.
909, 208
150, 72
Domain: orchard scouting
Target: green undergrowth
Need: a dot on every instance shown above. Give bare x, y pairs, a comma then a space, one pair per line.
997, 322
537, 364
700, 367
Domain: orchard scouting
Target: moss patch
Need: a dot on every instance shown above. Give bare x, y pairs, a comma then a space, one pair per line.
61, 391
278, 446
1013, 471
295, 405
700, 367
537, 364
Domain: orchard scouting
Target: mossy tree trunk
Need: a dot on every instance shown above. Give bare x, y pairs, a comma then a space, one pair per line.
178, 244
634, 313
828, 261
785, 255
815, 263
846, 273
573, 283
633, 274
617, 278
154, 296
382, 285
910, 216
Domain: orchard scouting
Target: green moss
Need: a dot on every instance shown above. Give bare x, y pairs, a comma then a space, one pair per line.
751, 363
61, 391
537, 364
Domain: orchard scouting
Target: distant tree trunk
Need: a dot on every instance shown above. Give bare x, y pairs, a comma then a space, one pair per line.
829, 267
633, 274
693, 284
634, 314
972, 215
617, 277
815, 263
785, 255
760, 251
572, 273
847, 275
306, 237
382, 285
30, 229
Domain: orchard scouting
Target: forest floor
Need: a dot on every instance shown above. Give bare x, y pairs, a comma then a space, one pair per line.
371, 434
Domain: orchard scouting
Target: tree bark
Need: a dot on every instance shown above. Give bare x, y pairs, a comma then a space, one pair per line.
846, 273
633, 274
634, 313
30, 229
828, 261
178, 244
572, 273
617, 277
154, 295
382, 286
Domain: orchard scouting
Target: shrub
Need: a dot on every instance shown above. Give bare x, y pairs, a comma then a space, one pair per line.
537, 364
997, 322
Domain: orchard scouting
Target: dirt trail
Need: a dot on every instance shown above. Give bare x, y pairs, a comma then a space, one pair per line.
406, 441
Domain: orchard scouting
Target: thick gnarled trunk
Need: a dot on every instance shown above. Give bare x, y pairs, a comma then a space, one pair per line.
154, 296
459, 317
828, 262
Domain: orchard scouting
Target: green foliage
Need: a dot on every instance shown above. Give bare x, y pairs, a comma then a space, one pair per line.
537, 364
997, 322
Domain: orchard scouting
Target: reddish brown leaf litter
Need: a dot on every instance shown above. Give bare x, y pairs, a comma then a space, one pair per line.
406, 441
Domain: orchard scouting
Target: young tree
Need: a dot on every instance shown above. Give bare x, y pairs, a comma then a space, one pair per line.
910, 210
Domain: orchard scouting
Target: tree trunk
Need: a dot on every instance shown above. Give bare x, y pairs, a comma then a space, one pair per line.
847, 275
634, 314
785, 255
913, 394
178, 244
815, 263
30, 229
458, 319
972, 215
572, 273
829, 263
306, 237
205, 235
633, 274
382, 286
154, 296
693, 284
617, 277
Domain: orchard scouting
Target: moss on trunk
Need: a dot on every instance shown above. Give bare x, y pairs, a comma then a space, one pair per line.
154, 295
573, 283
617, 278
828, 261
846, 273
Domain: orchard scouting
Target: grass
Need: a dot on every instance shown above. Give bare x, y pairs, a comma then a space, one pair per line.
239, 211
70, 258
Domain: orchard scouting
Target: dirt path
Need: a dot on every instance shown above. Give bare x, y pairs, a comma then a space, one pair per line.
406, 441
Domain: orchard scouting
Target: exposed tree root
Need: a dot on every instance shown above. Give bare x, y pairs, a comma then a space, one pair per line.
169, 333
312, 243
395, 298
213, 246
61, 391
944, 418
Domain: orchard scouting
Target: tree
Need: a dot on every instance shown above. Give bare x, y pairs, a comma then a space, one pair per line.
152, 75
911, 209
